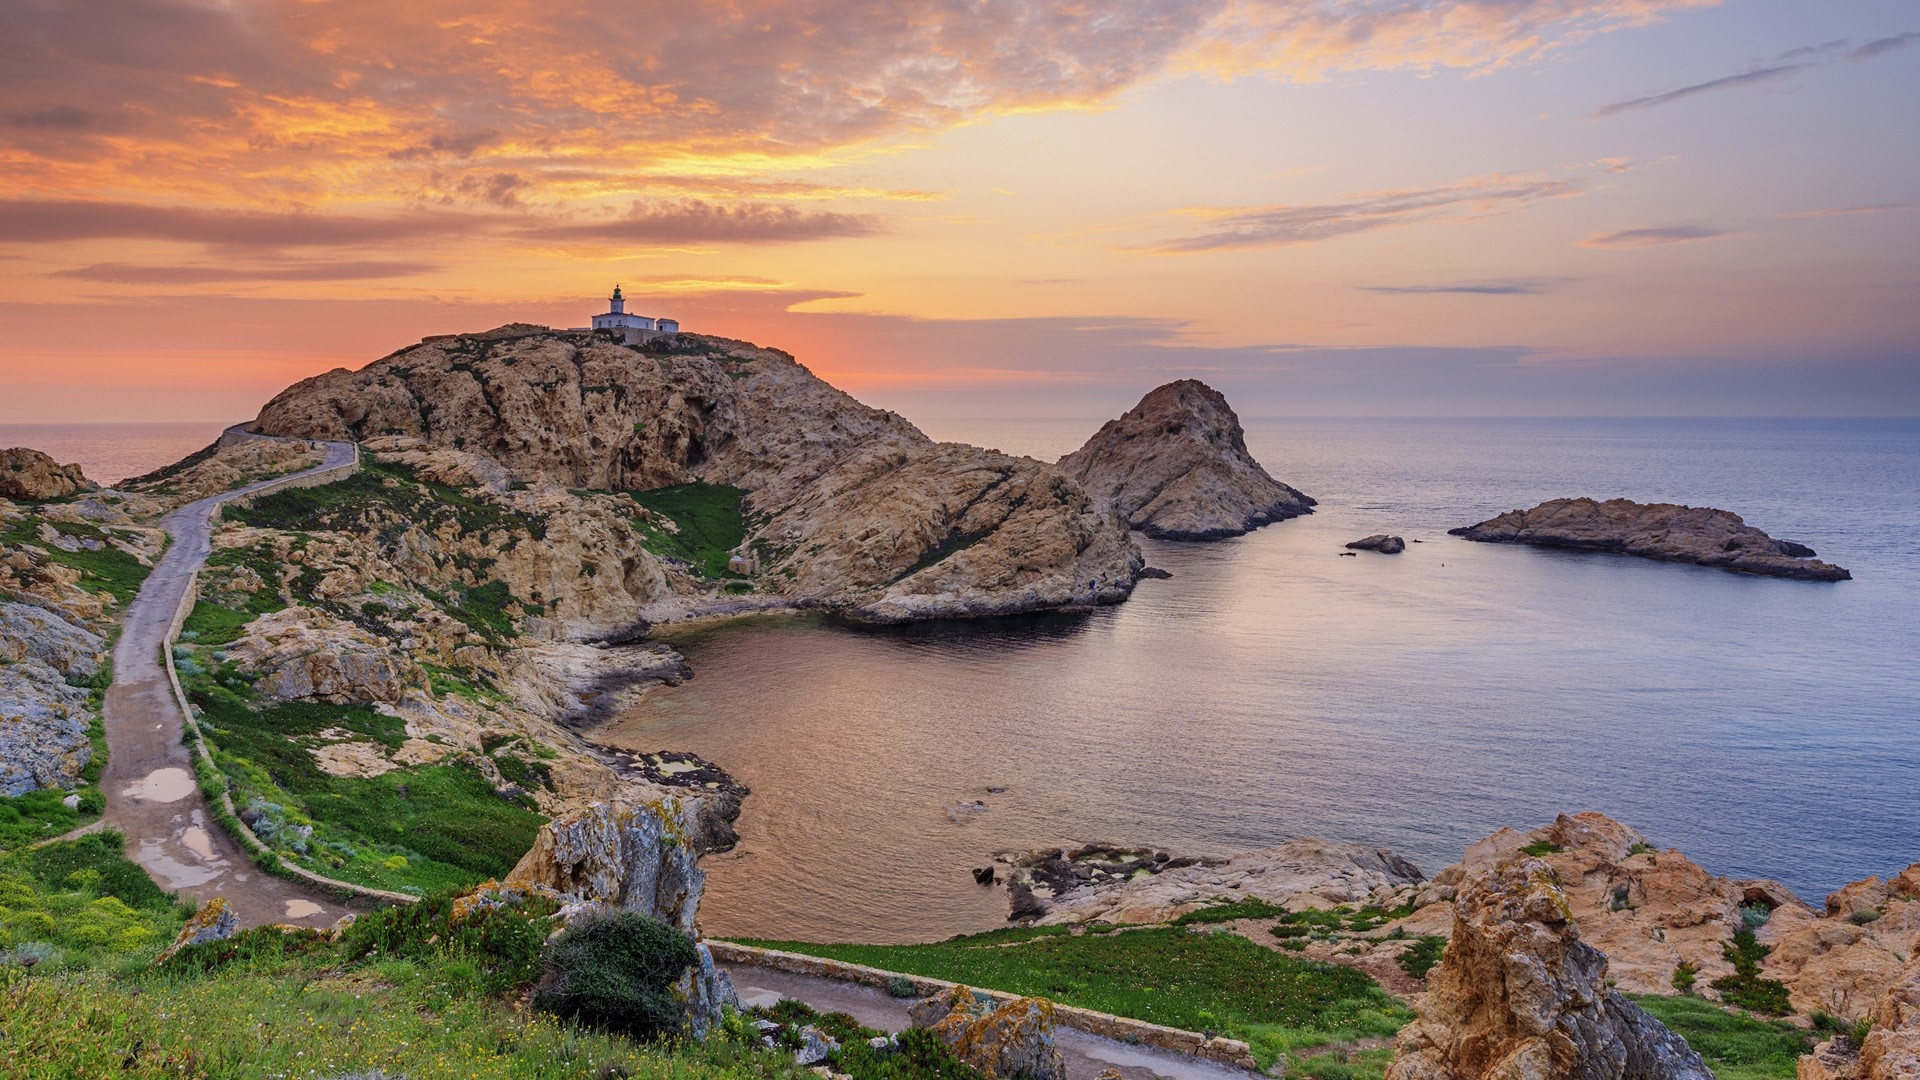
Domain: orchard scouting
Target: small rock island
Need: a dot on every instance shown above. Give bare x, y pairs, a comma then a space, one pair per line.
1665, 531
1176, 467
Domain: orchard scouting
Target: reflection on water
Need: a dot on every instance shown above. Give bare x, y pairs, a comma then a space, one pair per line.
1273, 688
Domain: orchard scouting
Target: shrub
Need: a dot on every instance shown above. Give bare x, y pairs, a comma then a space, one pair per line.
902, 987
1685, 976
1423, 955
615, 972
1745, 987
1541, 847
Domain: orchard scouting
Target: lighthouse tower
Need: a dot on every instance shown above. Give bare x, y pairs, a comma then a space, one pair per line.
616, 317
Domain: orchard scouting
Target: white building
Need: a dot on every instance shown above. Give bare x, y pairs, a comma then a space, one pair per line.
617, 318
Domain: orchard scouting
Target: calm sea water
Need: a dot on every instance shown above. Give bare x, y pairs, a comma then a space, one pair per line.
109, 453
1274, 689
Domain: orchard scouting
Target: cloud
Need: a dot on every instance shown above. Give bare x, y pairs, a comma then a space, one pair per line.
1510, 287
134, 274
58, 117
696, 221
1653, 236
1884, 45
303, 102
57, 221
1845, 211
1758, 75
1278, 226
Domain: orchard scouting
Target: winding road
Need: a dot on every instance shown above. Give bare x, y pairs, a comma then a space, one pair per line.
149, 784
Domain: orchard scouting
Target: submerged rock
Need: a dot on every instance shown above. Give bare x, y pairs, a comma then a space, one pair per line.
26, 473
1003, 1042
1664, 531
1176, 466
1380, 542
1518, 994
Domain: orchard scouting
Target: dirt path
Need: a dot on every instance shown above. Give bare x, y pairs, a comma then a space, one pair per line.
1086, 1054
149, 782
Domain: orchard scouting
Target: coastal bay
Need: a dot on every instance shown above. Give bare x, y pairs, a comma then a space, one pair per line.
1271, 689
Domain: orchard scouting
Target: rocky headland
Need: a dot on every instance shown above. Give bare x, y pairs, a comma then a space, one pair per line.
1176, 467
1665, 531
841, 506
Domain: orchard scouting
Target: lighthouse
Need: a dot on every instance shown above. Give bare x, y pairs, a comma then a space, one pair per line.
617, 319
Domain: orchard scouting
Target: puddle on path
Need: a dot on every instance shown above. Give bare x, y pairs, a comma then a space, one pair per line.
162, 785
170, 871
300, 909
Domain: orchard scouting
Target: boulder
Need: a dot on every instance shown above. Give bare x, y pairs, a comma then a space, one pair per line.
28, 632
1176, 467
215, 921
632, 858
304, 654
1519, 995
1002, 1042
26, 473
1380, 542
1664, 531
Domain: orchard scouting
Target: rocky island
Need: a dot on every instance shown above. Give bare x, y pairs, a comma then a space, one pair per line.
1176, 467
1665, 531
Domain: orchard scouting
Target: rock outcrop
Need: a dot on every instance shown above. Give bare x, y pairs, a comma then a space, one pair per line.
632, 858
1664, 531
301, 654
1519, 995
1380, 542
1004, 1042
1891, 1050
223, 468
1176, 467
1105, 884
43, 729
1843, 963
215, 921
848, 507
26, 473
36, 633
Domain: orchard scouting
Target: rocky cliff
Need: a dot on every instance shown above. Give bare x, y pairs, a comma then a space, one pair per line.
1665, 531
1176, 467
1518, 994
847, 507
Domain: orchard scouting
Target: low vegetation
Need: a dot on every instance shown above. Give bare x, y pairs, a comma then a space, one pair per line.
80, 903
708, 524
105, 569
419, 830
915, 1054
404, 992
1216, 982
1737, 1046
1745, 987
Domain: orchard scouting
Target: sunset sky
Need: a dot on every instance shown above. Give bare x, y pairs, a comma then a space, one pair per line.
980, 207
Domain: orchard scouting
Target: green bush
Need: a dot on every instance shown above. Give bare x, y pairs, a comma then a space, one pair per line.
1540, 848
1423, 955
1745, 987
615, 972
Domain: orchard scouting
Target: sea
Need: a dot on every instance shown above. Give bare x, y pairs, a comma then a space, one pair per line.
1273, 688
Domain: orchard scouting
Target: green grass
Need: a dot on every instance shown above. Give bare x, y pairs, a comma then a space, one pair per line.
82, 902
1167, 975
1737, 1046
1238, 909
710, 523
40, 814
445, 824
107, 570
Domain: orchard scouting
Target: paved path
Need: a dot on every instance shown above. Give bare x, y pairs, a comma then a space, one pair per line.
149, 781
1086, 1054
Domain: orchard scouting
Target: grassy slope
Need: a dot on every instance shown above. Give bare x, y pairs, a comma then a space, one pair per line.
709, 520
81, 902
1167, 975
1737, 1046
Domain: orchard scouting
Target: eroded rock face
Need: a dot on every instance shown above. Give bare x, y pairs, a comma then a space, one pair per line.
853, 507
1176, 467
1844, 963
1891, 1050
43, 729
1003, 1042
215, 921
28, 632
1519, 995
26, 473
632, 858
302, 654
1664, 531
